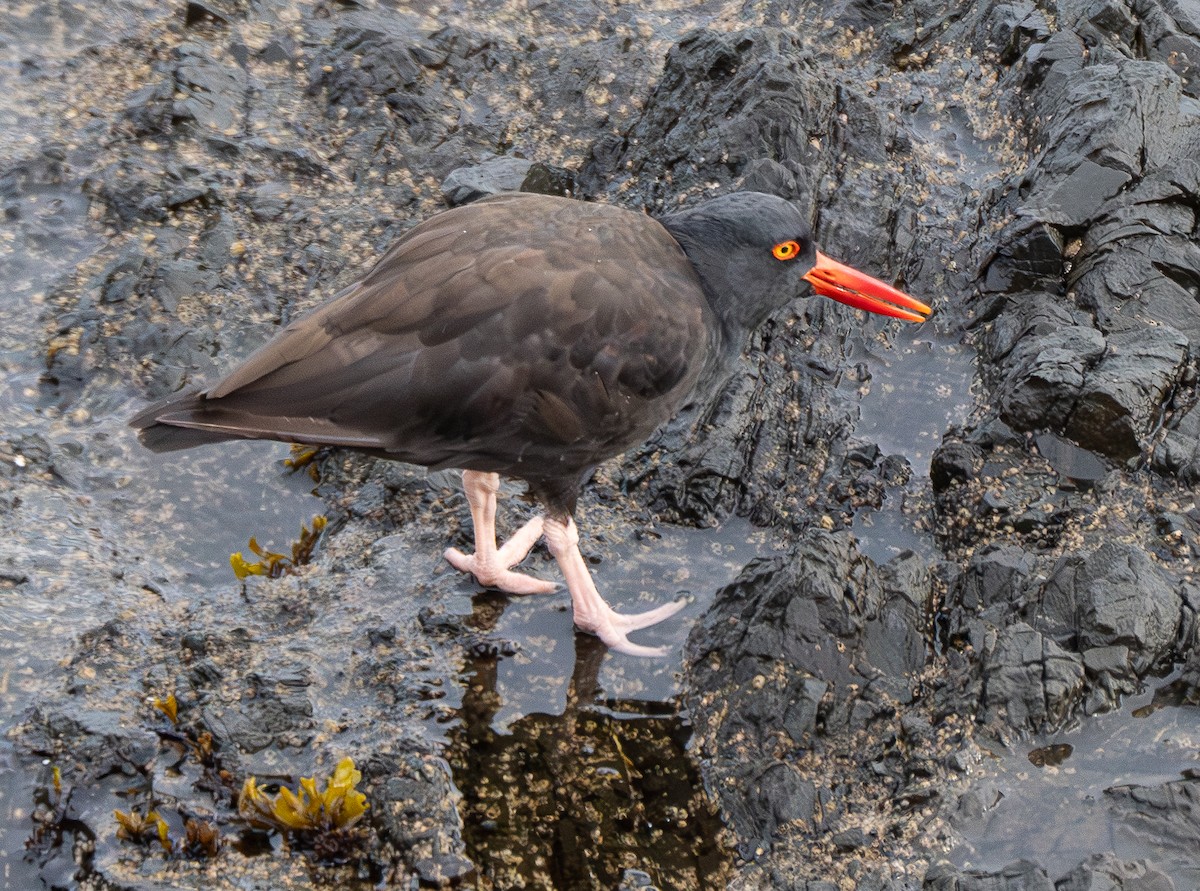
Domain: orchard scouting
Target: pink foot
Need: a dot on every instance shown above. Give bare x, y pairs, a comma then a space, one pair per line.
492, 566
591, 612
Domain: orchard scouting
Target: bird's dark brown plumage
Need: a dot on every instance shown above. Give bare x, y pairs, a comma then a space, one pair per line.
527, 336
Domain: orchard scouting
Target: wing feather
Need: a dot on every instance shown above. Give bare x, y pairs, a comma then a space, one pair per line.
522, 333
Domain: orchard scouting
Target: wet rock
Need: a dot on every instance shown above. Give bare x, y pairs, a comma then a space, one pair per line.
1046, 377
418, 815
1169, 813
1049, 64
1077, 199
636, 879
1105, 394
1171, 38
1031, 314
223, 11
1014, 490
995, 575
548, 179
720, 466
1110, 676
1117, 195
211, 92
467, 184
362, 66
770, 796
1105, 872
1072, 463
151, 109
269, 201
791, 654
1179, 452
787, 610
1138, 265
178, 279
850, 839
1132, 125
770, 176
955, 462
1112, 661
890, 640
300, 159
1121, 401
96, 743
277, 710
1016, 28
1020, 876
1029, 257
1115, 596
215, 247
1029, 681
699, 115
136, 187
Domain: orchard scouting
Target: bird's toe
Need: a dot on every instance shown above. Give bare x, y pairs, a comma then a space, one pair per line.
518, 547
650, 617
518, 583
613, 628
622, 644
494, 574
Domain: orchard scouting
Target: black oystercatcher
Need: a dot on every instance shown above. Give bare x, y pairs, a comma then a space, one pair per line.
528, 336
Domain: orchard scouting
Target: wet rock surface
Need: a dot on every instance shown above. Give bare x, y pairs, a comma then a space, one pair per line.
178, 180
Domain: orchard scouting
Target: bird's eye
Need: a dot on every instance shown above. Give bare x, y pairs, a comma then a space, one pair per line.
786, 250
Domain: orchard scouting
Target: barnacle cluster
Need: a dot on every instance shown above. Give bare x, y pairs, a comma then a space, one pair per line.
321, 820
273, 565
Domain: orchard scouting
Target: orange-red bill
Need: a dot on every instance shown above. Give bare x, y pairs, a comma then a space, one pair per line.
847, 285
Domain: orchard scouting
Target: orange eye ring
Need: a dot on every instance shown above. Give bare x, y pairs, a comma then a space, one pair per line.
786, 250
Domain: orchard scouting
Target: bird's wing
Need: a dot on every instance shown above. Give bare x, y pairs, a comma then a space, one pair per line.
515, 328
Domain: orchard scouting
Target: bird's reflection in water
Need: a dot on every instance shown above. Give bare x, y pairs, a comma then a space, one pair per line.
601, 794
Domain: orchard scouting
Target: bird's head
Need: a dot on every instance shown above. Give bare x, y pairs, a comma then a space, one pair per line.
754, 253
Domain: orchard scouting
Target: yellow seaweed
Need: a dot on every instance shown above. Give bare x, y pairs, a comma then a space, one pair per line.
168, 706
134, 827
309, 808
273, 565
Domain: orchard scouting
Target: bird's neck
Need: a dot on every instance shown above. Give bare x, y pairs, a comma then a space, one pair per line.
717, 272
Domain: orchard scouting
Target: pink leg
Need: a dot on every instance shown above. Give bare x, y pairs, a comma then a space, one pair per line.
492, 566
591, 612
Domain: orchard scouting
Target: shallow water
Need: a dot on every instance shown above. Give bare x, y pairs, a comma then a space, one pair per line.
678, 562
17, 784
1060, 815
220, 496
920, 386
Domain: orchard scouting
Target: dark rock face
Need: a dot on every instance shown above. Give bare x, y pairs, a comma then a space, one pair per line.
1114, 596
800, 656
1030, 168
1105, 394
1106, 871
1168, 811
1020, 876
1028, 680
1112, 192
